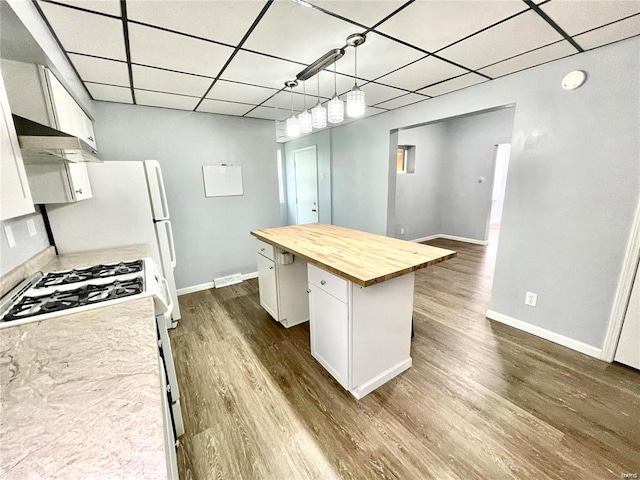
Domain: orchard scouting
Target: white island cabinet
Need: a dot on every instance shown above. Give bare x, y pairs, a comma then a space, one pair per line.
282, 285
362, 336
359, 289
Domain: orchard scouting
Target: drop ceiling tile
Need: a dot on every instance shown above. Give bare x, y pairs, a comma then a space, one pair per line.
435, 24
502, 41
171, 82
422, 73
109, 93
370, 111
375, 93
224, 108
239, 92
577, 17
530, 59
110, 7
260, 70
626, 28
453, 84
269, 113
377, 56
292, 31
402, 101
368, 13
223, 21
101, 71
155, 99
158, 48
87, 33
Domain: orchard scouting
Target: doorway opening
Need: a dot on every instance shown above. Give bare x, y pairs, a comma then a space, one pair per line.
500, 170
305, 166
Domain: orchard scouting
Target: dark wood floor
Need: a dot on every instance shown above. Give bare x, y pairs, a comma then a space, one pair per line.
482, 400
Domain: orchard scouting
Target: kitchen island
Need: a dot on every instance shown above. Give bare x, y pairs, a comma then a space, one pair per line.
80, 394
356, 290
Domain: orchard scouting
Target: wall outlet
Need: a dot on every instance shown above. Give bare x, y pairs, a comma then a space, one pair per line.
402, 231
10, 239
531, 299
31, 226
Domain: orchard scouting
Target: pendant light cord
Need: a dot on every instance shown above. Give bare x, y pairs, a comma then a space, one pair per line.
318, 88
291, 90
335, 80
355, 70
304, 90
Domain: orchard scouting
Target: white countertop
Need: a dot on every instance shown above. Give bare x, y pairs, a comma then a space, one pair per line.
80, 394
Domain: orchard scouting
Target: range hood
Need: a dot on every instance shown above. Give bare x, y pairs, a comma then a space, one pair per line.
42, 144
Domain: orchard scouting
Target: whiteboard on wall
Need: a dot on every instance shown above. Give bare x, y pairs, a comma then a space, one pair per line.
222, 180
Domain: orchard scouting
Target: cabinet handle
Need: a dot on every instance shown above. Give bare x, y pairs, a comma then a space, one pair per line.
91, 138
323, 282
262, 249
308, 291
79, 191
270, 268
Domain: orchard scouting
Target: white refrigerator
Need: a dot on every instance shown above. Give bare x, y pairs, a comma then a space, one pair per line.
129, 206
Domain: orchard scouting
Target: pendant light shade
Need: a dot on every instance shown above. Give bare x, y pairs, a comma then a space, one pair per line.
318, 113
335, 105
355, 98
304, 119
293, 125
355, 102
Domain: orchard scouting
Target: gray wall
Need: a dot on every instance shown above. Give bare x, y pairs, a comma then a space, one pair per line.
470, 154
574, 181
443, 196
419, 195
26, 246
211, 234
322, 141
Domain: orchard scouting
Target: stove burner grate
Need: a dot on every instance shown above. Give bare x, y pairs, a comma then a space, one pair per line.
82, 275
29, 306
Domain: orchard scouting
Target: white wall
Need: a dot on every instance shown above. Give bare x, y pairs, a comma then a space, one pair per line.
26, 245
574, 182
211, 234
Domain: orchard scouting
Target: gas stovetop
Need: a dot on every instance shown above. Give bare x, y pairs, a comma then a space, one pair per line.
57, 300
59, 293
82, 275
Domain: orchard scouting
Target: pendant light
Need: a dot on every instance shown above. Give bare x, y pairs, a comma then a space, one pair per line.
335, 105
293, 126
355, 97
304, 119
318, 113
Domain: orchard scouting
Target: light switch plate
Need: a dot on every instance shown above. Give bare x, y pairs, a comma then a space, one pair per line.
31, 225
10, 239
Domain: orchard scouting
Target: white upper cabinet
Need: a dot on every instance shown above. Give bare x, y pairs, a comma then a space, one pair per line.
69, 117
15, 195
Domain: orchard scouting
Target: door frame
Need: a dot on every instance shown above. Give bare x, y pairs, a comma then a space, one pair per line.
623, 292
295, 178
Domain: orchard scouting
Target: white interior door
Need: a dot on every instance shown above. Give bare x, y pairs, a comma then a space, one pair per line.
503, 151
306, 174
628, 351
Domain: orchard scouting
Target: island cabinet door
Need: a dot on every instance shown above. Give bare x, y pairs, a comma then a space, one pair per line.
267, 286
329, 327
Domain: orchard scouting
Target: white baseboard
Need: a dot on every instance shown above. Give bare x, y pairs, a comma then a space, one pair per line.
546, 334
368, 387
451, 237
208, 285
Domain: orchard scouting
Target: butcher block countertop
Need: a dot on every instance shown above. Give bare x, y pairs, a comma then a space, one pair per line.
80, 394
363, 258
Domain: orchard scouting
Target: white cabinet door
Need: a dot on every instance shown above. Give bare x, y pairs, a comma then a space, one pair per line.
329, 326
69, 117
15, 195
79, 181
267, 285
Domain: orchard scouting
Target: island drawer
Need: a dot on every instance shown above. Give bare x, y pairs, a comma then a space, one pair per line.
266, 250
328, 282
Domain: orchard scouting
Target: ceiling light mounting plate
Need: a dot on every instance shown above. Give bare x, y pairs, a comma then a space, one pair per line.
356, 39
